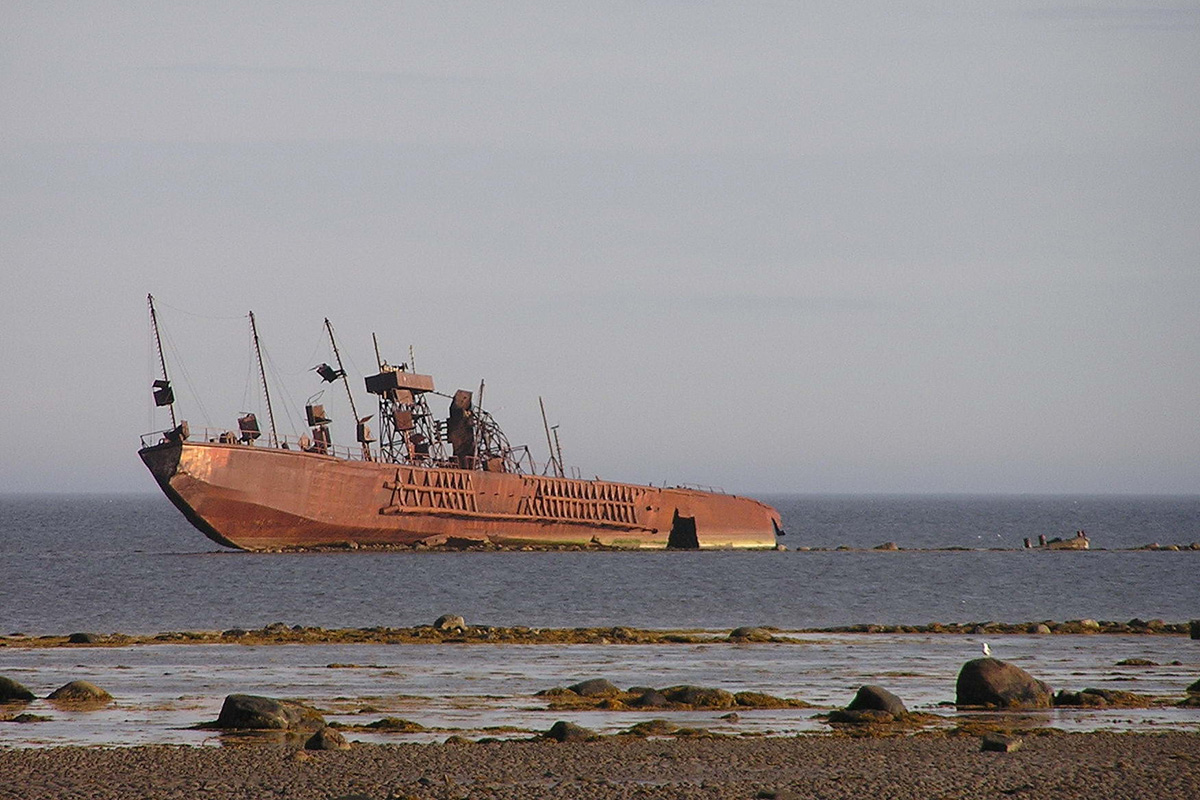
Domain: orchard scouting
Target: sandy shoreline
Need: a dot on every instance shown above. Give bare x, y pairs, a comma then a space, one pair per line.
1097, 765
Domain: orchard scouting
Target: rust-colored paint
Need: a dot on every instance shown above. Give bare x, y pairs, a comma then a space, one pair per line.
259, 498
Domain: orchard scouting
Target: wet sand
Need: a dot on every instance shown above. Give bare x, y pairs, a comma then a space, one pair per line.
1097, 765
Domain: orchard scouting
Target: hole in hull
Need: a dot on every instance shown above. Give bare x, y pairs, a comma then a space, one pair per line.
683, 533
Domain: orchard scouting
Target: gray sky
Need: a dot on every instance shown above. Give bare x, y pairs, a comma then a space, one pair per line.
928, 247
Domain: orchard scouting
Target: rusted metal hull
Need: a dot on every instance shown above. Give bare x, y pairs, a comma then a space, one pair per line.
258, 498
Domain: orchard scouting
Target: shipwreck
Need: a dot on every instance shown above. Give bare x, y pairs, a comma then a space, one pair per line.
424, 481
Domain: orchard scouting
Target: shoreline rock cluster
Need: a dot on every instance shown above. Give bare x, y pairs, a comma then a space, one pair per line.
452, 629
76, 694
893, 547
982, 683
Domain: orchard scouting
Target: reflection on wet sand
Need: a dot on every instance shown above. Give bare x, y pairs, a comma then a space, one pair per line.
162, 691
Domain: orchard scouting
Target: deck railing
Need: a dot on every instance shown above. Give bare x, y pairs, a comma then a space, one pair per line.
227, 437
224, 436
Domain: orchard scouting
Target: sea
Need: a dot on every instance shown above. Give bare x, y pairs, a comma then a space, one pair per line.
132, 564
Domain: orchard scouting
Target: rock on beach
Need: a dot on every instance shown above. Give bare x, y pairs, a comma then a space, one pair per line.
999, 684
563, 731
877, 698
595, 687
251, 712
13, 692
80, 692
327, 739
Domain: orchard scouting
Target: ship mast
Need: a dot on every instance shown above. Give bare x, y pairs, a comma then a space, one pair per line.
262, 374
557, 462
358, 421
338, 356
162, 362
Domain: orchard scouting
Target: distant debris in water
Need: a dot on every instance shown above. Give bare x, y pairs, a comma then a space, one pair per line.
1079, 541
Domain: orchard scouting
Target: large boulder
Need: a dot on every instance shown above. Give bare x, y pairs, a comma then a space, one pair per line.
80, 692
876, 698
595, 687
995, 683
13, 692
250, 712
450, 622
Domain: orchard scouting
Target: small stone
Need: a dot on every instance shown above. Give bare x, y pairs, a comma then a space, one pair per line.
749, 633
569, 732
83, 638
327, 739
395, 724
651, 698
595, 687
866, 716
81, 692
999, 743
700, 697
878, 698
654, 727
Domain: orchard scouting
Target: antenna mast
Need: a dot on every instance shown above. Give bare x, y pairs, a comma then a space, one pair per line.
162, 362
558, 470
262, 374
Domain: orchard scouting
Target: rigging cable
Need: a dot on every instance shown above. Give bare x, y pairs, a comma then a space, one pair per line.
187, 378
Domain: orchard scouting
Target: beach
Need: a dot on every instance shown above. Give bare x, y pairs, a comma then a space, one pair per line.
170, 628
1097, 765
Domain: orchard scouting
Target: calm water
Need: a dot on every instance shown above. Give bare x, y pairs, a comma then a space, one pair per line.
132, 564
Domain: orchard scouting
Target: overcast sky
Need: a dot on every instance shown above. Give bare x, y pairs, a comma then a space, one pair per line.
772, 247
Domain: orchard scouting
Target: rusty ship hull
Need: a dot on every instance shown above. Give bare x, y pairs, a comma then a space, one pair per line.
262, 498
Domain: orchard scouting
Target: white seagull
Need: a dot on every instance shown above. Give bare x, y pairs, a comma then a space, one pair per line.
987, 651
